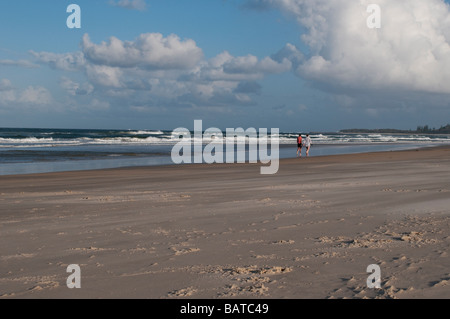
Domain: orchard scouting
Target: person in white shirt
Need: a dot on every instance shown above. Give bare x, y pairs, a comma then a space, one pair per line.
307, 144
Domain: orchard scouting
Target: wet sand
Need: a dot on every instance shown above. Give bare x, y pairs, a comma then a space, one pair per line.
225, 231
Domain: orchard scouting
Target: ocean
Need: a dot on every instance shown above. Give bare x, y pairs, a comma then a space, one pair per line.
25, 151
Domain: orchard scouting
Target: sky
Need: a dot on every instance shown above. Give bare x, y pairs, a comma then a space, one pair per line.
296, 65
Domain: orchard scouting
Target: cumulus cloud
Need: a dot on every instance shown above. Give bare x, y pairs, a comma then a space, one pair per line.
250, 64
225, 67
104, 75
155, 70
7, 92
74, 88
291, 53
139, 5
410, 52
66, 61
24, 98
150, 50
35, 95
248, 87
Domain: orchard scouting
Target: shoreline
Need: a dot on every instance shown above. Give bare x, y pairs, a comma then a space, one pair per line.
225, 231
282, 146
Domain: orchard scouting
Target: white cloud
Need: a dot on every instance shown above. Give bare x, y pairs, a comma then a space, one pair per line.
150, 51
66, 61
410, 52
74, 88
291, 53
11, 97
7, 97
225, 67
104, 75
139, 5
5, 85
7, 92
248, 87
250, 64
35, 95
154, 70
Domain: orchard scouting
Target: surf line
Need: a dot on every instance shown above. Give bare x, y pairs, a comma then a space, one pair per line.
213, 152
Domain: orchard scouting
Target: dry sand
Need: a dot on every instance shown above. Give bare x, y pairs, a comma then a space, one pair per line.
225, 231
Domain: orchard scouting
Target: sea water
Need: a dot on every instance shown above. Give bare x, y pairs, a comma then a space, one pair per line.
24, 151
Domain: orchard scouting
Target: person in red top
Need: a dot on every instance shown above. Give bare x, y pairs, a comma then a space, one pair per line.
299, 145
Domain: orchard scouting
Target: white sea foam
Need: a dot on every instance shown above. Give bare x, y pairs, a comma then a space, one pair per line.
146, 133
166, 138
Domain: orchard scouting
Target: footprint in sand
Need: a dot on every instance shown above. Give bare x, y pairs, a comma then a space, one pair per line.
355, 288
186, 292
251, 280
283, 242
184, 251
45, 286
443, 282
18, 256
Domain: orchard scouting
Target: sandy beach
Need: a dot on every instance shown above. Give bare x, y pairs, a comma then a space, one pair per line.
226, 231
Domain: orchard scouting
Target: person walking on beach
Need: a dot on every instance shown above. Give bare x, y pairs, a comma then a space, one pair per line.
307, 144
299, 145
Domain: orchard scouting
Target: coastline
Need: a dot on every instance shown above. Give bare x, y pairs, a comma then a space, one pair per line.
286, 151
225, 231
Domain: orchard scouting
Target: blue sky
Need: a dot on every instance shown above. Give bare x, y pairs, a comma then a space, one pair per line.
297, 65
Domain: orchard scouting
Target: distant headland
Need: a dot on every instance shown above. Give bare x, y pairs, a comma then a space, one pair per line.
420, 130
